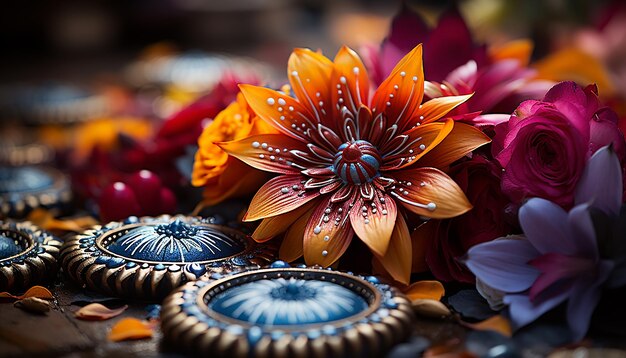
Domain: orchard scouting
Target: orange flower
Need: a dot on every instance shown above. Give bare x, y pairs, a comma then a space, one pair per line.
221, 175
348, 164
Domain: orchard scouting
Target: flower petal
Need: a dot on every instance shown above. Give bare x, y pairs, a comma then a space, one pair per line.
325, 238
275, 225
547, 227
401, 93
292, 246
601, 182
310, 74
502, 264
584, 299
429, 192
583, 233
463, 139
278, 196
421, 241
279, 110
350, 78
129, 328
427, 289
373, 221
35, 291
409, 147
267, 152
522, 311
98, 312
438, 107
397, 259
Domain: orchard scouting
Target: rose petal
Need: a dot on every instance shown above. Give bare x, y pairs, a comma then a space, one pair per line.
427, 289
129, 329
98, 312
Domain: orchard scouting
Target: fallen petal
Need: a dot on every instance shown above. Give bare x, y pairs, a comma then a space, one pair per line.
98, 312
33, 304
129, 329
432, 290
35, 291
430, 308
496, 323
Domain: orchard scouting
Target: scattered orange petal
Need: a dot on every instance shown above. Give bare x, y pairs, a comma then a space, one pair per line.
35, 291
45, 220
430, 308
496, 323
431, 290
98, 312
128, 329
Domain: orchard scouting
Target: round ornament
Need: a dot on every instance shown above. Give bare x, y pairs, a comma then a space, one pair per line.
23, 189
28, 255
145, 258
287, 312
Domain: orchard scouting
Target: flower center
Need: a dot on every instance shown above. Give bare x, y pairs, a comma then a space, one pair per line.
357, 162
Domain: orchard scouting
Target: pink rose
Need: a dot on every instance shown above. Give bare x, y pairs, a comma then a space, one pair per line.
480, 180
545, 144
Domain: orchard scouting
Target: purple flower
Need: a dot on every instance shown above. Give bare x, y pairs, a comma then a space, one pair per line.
558, 258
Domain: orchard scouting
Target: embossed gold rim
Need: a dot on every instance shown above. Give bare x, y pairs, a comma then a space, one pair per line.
373, 301
240, 236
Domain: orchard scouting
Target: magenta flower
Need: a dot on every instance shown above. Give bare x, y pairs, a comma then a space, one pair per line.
558, 258
545, 145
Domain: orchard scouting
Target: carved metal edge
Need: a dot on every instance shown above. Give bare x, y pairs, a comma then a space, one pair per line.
58, 193
86, 264
186, 322
36, 263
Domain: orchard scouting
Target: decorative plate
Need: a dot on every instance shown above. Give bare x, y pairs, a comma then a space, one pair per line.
28, 255
148, 257
287, 312
25, 188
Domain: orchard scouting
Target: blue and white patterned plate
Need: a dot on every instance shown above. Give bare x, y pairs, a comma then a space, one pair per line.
148, 257
287, 312
28, 255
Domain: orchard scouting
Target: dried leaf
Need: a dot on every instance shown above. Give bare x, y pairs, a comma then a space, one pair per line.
430, 308
35, 291
431, 290
98, 312
496, 323
33, 304
130, 328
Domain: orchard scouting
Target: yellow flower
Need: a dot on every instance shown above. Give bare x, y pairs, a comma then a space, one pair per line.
223, 176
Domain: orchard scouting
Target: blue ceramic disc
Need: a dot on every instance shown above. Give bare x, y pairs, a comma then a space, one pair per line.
25, 188
287, 312
147, 257
28, 255
288, 302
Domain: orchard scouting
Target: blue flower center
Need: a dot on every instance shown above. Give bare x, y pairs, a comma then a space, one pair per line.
357, 162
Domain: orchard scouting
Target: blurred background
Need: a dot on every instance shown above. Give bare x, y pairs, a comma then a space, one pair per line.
90, 86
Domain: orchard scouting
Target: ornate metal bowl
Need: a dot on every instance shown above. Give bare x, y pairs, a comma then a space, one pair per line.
145, 258
287, 312
28, 255
25, 188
